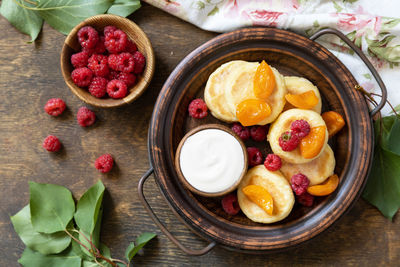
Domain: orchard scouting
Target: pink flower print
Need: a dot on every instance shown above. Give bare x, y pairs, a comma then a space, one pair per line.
263, 17
377, 25
350, 22
368, 86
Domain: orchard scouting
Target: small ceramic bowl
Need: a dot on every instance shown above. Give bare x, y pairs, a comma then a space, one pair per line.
178, 155
71, 46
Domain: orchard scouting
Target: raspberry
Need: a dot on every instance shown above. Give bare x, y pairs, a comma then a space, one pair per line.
85, 117
98, 87
299, 183
128, 78
117, 89
140, 62
258, 133
198, 109
289, 141
104, 163
98, 64
306, 199
100, 48
113, 61
113, 75
89, 51
82, 76
80, 60
241, 131
300, 127
230, 204
88, 37
116, 41
54, 106
254, 156
109, 29
126, 63
273, 162
51, 143
131, 47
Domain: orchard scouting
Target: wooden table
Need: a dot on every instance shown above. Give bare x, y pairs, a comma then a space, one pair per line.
30, 75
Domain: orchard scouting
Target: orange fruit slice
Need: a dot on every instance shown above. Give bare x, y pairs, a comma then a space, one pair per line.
334, 121
260, 196
306, 100
264, 81
252, 111
311, 144
325, 188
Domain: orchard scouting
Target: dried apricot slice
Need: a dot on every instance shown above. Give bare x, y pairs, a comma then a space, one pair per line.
325, 188
252, 111
264, 81
306, 100
311, 145
260, 196
334, 121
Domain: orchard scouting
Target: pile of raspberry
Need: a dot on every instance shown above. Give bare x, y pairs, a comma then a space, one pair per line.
108, 63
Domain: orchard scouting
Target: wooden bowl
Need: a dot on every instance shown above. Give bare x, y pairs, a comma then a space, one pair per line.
71, 46
178, 166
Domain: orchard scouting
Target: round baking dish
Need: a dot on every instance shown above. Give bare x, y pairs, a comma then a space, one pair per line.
291, 54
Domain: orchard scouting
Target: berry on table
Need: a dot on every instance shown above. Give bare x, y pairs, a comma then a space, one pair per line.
82, 76
198, 108
126, 63
299, 183
300, 127
305, 199
241, 131
98, 64
88, 37
254, 156
116, 41
80, 60
55, 106
104, 163
117, 89
85, 117
98, 87
128, 78
289, 141
51, 143
140, 62
258, 133
273, 162
230, 204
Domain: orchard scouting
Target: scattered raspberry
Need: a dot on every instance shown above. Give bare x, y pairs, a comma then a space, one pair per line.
273, 162
100, 47
104, 163
128, 78
98, 87
80, 60
140, 62
51, 143
109, 29
113, 61
254, 155
300, 127
54, 106
306, 199
116, 41
131, 47
82, 76
126, 63
299, 183
98, 64
117, 89
85, 117
198, 109
230, 204
88, 37
258, 133
113, 75
241, 131
289, 141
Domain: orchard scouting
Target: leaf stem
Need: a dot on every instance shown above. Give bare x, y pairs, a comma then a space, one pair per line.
123, 262
76, 240
390, 104
31, 2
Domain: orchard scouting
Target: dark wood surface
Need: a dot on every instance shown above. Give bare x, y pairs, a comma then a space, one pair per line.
30, 75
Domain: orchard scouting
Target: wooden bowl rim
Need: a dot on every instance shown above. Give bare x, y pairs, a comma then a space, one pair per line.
178, 165
138, 88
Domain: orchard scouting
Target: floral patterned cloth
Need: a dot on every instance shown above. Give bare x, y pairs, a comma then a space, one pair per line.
371, 24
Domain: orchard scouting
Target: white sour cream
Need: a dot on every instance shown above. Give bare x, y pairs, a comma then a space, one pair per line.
211, 160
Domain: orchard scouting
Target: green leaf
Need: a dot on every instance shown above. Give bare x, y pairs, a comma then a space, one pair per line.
367, 76
52, 207
43, 243
141, 241
78, 250
63, 15
95, 235
67, 258
337, 7
383, 185
393, 144
396, 108
124, 7
25, 20
88, 207
214, 11
105, 251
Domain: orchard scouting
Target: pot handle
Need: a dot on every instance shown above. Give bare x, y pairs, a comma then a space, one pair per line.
149, 210
363, 58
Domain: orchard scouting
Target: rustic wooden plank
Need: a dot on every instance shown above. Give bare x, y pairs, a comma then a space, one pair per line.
30, 74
